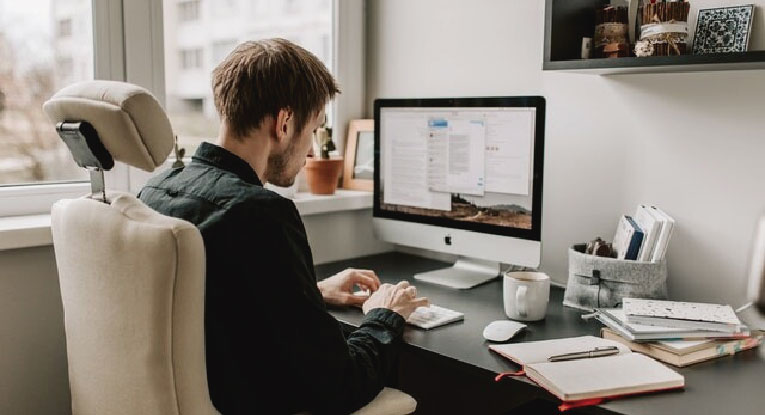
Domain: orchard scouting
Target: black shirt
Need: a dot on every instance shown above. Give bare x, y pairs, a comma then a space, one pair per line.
266, 323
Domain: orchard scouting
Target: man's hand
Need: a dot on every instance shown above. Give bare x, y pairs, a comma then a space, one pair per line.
401, 298
338, 289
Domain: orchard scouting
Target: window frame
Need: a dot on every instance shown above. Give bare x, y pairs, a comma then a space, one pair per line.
108, 63
128, 45
348, 63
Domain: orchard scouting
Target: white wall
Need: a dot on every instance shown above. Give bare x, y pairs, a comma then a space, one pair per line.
342, 235
690, 143
33, 369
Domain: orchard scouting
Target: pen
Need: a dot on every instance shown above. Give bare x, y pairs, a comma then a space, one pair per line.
596, 352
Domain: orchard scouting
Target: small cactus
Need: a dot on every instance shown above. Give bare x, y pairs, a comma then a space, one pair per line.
323, 142
179, 153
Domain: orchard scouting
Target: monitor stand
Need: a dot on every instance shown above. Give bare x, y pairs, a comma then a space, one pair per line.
465, 273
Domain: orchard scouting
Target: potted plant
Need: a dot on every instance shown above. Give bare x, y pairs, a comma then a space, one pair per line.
322, 170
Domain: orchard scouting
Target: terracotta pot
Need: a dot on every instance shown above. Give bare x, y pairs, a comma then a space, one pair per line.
322, 175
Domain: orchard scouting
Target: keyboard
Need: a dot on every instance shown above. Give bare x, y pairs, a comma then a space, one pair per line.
433, 316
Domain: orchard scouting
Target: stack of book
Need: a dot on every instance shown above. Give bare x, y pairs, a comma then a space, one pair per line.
643, 236
678, 333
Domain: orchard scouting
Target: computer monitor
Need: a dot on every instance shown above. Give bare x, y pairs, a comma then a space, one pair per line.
461, 176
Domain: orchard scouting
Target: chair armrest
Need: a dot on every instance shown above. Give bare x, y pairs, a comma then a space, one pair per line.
389, 402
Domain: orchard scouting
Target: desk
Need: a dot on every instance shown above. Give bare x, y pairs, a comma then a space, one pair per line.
726, 385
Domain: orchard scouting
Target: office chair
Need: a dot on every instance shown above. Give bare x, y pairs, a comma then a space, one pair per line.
132, 280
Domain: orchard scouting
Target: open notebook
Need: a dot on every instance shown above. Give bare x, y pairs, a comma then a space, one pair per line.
625, 373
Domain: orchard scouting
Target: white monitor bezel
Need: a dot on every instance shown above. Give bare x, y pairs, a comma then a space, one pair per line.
484, 241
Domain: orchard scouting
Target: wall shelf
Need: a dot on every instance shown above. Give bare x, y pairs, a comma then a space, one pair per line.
658, 64
568, 21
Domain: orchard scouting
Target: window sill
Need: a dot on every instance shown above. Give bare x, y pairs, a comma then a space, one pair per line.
24, 231
343, 200
34, 230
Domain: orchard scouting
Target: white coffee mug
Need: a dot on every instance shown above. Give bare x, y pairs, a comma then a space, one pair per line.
526, 295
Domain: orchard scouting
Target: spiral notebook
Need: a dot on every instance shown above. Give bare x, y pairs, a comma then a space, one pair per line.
598, 378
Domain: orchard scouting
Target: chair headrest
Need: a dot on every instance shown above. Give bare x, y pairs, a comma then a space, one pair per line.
128, 119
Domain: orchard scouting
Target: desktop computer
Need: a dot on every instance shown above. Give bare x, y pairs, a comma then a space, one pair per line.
461, 176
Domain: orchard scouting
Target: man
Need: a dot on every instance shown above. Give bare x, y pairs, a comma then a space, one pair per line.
266, 321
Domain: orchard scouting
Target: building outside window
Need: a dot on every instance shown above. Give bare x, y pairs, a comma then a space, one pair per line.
61, 34
188, 10
225, 8
221, 49
191, 58
189, 102
30, 150
293, 6
65, 69
65, 28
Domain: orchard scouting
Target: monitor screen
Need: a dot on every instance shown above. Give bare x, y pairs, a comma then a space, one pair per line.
461, 163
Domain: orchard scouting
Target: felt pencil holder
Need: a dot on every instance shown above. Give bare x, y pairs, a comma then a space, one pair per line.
599, 282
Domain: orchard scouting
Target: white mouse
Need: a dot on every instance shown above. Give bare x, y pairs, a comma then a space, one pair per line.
502, 330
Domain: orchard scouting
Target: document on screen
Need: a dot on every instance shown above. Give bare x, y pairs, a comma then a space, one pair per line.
456, 152
405, 153
509, 138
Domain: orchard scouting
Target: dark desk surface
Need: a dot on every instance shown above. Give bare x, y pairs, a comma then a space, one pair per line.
732, 384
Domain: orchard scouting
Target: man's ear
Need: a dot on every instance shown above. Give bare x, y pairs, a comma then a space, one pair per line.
282, 126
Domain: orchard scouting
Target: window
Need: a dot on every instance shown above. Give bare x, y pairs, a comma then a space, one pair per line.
126, 41
191, 58
30, 150
65, 28
292, 7
225, 8
189, 101
188, 11
65, 69
193, 105
221, 49
260, 8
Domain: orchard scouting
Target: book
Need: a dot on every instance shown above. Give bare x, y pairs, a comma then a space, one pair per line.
684, 353
616, 320
606, 377
627, 239
651, 226
699, 316
665, 233
636, 242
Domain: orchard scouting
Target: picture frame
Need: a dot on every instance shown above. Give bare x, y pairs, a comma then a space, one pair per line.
723, 30
358, 172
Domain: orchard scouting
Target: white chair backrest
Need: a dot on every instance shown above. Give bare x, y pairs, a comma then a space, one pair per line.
132, 280
132, 286
129, 120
